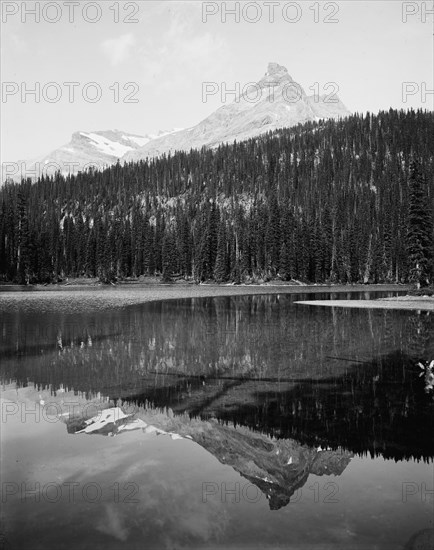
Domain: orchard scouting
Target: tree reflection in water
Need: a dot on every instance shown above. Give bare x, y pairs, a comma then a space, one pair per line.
338, 378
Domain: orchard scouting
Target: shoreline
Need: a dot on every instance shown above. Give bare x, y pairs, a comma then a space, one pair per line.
297, 288
86, 299
407, 303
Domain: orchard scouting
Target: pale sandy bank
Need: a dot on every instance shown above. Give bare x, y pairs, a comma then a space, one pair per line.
423, 303
82, 299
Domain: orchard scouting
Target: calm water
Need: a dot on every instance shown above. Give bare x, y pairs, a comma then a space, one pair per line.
302, 427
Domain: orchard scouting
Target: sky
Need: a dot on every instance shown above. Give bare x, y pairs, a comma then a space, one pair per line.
142, 66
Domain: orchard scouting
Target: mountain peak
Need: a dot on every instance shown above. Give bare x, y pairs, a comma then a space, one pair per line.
275, 74
275, 68
277, 101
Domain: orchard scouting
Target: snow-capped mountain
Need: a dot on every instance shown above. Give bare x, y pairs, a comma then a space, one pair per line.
97, 149
276, 101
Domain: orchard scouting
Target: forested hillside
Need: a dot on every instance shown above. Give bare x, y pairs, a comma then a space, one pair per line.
321, 202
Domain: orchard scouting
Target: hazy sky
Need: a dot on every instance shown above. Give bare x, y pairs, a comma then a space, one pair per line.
175, 47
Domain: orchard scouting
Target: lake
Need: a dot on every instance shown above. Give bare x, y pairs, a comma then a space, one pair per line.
214, 422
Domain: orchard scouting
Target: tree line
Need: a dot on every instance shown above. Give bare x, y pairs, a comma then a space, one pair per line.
336, 201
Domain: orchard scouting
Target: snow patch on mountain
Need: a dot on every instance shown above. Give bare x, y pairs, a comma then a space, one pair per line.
140, 141
275, 101
106, 146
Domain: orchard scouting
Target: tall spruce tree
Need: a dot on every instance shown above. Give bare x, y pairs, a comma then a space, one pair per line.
169, 257
24, 244
419, 235
220, 269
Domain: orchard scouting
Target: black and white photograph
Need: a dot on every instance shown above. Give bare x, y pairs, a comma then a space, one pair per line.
217, 275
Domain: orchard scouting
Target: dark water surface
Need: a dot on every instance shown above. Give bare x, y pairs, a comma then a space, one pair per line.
303, 427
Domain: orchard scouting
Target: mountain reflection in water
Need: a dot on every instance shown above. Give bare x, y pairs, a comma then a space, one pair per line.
277, 391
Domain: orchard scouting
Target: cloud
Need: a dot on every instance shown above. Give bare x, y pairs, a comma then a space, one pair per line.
182, 53
117, 49
19, 43
113, 524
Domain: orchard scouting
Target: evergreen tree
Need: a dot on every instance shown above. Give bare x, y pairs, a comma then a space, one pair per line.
420, 230
169, 256
24, 244
220, 269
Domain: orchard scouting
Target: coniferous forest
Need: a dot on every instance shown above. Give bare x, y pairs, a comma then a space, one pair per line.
331, 201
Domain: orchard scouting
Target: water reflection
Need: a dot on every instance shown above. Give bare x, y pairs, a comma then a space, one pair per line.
277, 467
283, 395
332, 377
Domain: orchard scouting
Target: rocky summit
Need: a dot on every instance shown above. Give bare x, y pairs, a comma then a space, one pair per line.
275, 101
